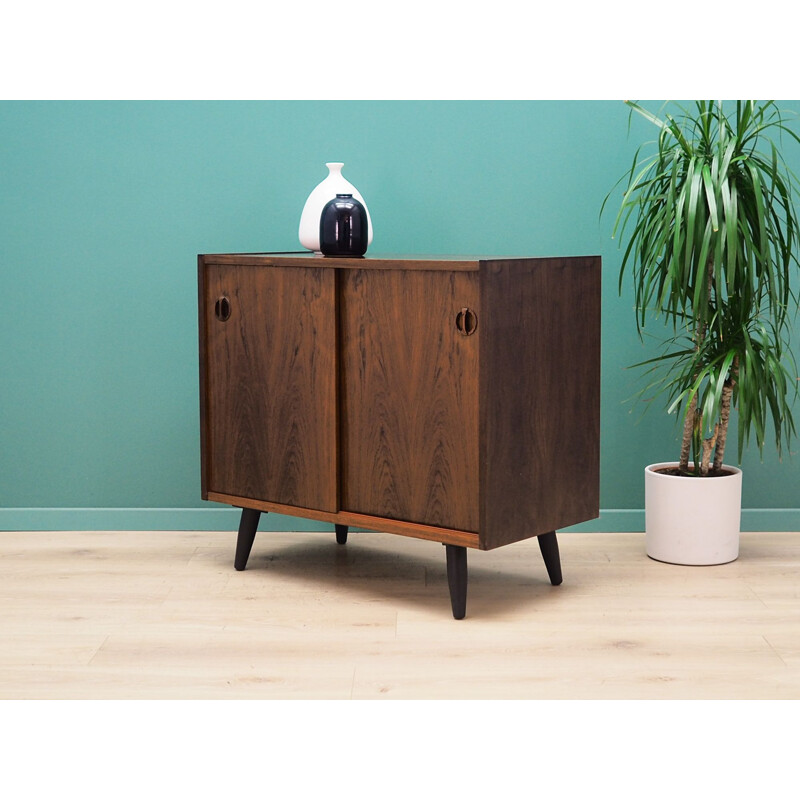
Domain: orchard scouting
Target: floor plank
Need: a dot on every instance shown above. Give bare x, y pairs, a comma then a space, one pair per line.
149, 614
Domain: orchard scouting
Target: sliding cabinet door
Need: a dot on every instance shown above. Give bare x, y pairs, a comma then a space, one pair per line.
409, 363
270, 403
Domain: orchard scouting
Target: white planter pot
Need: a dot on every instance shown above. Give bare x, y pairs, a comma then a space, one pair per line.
693, 521
334, 184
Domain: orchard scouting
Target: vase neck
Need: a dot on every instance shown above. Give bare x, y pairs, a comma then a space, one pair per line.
334, 167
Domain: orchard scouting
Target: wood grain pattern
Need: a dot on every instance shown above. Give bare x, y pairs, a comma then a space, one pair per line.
204, 377
540, 396
369, 262
409, 410
342, 389
270, 412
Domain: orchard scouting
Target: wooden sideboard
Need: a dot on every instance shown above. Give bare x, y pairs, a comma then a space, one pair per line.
453, 399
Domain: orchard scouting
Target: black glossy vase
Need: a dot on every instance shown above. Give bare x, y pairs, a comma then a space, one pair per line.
343, 227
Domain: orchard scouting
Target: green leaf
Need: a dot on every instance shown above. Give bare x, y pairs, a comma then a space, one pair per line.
710, 198
710, 237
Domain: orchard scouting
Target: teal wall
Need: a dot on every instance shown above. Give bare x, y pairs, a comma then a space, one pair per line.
105, 205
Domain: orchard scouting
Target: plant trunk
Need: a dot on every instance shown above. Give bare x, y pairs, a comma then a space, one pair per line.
708, 446
691, 423
688, 430
725, 414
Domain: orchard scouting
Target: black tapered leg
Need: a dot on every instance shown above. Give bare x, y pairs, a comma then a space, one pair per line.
457, 578
341, 534
548, 544
248, 525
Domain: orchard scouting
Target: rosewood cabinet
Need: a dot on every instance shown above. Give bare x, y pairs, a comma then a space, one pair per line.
454, 399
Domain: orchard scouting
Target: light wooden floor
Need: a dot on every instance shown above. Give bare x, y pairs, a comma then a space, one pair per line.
164, 615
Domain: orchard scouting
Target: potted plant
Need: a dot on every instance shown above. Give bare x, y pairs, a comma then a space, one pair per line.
712, 239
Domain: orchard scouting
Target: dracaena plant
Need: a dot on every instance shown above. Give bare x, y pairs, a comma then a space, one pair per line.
711, 240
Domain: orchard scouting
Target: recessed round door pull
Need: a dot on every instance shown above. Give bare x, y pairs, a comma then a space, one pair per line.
466, 321
222, 309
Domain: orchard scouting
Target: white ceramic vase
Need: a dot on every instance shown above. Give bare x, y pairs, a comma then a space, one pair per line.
693, 521
327, 190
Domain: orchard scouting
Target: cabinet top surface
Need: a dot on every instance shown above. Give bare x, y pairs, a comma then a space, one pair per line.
381, 261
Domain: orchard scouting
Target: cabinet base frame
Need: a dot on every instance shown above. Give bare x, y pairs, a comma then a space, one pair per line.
351, 519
